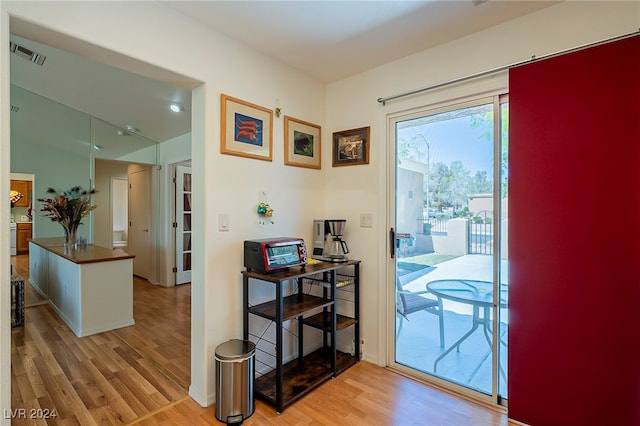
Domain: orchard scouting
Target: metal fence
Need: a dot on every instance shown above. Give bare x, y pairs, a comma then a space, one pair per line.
432, 226
481, 233
479, 230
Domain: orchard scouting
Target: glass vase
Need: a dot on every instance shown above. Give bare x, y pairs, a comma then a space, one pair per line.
71, 236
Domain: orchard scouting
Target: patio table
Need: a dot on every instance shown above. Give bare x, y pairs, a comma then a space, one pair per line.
478, 294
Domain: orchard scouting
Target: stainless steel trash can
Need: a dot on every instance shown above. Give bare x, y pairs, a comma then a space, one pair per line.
235, 373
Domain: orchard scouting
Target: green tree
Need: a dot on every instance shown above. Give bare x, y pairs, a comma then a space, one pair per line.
460, 180
480, 183
439, 183
486, 121
451, 185
404, 148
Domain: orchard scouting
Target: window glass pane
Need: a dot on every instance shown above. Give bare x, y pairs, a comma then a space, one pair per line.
445, 228
186, 241
186, 218
187, 202
186, 263
504, 248
186, 184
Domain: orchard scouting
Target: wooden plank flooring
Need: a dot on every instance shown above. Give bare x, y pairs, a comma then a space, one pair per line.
140, 375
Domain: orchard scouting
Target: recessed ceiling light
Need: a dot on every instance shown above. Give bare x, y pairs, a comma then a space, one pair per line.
132, 129
122, 132
175, 107
97, 147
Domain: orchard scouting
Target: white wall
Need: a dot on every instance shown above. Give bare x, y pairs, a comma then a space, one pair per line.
351, 103
5, 265
46, 165
222, 183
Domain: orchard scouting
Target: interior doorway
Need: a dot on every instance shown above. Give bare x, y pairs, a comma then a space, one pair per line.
119, 212
164, 75
140, 220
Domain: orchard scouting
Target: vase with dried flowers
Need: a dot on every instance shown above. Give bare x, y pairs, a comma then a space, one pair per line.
68, 208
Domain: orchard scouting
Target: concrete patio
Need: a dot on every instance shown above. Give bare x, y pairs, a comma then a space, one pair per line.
417, 343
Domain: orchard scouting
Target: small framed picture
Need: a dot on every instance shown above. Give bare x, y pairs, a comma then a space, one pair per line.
301, 143
351, 147
246, 129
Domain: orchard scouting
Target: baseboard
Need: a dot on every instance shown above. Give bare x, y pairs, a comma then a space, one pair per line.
202, 400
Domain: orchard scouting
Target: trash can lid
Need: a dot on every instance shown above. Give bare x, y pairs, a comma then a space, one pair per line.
235, 349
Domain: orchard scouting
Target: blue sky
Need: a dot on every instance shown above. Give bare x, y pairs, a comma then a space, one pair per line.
454, 139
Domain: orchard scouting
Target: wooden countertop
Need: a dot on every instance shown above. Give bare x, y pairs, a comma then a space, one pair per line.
299, 271
87, 254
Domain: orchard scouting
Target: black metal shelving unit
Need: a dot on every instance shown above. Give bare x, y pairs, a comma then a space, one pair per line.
287, 382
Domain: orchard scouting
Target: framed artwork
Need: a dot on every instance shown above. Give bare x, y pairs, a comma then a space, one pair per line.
301, 143
246, 129
351, 147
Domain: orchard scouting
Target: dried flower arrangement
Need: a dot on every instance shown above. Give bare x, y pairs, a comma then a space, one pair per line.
68, 208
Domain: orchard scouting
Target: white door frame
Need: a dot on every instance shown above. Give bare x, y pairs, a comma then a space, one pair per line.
389, 285
182, 274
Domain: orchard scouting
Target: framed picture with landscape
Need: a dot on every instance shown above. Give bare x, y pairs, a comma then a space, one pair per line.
246, 129
301, 143
351, 147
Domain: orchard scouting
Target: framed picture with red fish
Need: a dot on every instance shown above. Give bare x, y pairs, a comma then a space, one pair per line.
302, 143
246, 129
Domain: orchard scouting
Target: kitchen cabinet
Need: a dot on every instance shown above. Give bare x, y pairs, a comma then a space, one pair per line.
90, 288
23, 234
24, 187
313, 299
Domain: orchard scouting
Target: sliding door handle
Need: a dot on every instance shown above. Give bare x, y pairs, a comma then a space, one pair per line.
392, 242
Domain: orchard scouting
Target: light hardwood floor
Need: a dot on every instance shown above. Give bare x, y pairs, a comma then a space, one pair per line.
140, 375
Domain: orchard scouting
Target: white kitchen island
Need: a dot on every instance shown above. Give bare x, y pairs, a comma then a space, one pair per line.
91, 288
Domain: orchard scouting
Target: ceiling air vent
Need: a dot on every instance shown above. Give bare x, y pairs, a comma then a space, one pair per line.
14, 108
27, 54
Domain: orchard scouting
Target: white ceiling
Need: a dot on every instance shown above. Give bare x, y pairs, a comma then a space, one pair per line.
328, 40
108, 93
331, 40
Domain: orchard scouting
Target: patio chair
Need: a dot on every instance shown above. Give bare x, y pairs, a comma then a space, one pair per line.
409, 302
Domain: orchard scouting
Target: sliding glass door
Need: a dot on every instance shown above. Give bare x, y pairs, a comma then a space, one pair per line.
450, 286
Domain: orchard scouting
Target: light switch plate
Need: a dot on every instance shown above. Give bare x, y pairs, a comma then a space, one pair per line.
223, 222
366, 220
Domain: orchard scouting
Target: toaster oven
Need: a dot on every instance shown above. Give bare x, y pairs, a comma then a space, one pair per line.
274, 254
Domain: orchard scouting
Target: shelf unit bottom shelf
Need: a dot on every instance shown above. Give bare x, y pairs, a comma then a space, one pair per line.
298, 379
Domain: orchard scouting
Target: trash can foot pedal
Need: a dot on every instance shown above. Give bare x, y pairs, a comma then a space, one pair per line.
235, 420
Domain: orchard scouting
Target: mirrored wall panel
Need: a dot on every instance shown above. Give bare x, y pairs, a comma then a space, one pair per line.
61, 146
